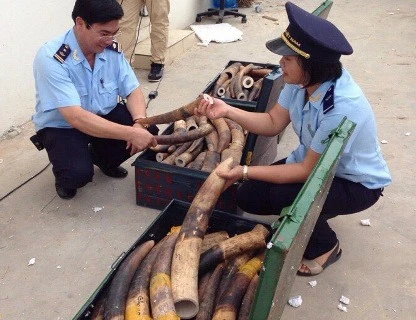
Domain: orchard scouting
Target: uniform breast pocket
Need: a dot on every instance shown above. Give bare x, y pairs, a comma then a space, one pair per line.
83, 94
108, 94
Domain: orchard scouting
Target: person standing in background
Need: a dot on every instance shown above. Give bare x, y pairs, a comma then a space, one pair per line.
159, 31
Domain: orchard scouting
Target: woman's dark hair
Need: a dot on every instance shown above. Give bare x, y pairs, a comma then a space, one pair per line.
319, 72
97, 11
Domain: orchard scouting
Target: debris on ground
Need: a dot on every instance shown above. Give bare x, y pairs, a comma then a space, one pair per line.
13, 132
344, 300
31, 262
342, 307
270, 18
313, 283
366, 222
295, 301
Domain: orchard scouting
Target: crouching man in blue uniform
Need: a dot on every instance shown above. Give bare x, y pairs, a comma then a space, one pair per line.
80, 118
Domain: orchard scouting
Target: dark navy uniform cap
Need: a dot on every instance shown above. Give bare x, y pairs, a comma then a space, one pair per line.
310, 37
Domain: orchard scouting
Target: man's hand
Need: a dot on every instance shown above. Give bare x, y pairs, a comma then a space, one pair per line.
140, 139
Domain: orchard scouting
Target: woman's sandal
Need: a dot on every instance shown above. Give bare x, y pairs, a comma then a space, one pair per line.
315, 268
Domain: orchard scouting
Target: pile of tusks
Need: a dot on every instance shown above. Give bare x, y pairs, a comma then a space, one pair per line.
241, 82
197, 142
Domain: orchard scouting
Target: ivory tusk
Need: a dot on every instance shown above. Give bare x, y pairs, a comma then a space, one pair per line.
185, 136
185, 259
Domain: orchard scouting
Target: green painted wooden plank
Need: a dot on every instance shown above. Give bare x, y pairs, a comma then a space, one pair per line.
293, 230
323, 10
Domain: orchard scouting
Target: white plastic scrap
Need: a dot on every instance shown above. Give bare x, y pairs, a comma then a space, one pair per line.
313, 283
269, 245
344, 300
384, 141
31, 262
96, 209
220, 32
366, 222
295, 301
342, 307
407, 134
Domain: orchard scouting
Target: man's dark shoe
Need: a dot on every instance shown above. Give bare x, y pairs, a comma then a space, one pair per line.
114, 172
156, 72
65, 193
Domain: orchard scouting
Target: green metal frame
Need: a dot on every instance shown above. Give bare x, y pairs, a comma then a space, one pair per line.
294, 228
323, 10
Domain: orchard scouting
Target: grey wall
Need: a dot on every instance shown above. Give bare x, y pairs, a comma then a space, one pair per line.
26, 25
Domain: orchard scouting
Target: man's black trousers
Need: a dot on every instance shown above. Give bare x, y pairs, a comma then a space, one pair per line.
70, 151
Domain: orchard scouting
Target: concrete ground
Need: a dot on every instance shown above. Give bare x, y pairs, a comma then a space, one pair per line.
74, 245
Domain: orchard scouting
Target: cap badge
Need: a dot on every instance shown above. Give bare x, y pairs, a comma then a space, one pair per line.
294, 45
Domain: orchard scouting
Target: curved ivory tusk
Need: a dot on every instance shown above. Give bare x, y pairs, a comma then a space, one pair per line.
182, 137
174, 115
185, 261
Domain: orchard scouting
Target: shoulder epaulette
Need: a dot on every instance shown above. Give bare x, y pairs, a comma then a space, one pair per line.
328, 100
115, 46
62, 53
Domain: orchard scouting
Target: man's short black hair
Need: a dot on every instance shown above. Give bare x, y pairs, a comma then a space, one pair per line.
97, 11
320, 72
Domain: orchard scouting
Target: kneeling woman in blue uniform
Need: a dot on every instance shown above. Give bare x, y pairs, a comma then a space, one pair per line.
317, 95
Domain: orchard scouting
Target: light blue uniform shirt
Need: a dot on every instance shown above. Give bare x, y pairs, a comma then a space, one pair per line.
361, 160
74, 83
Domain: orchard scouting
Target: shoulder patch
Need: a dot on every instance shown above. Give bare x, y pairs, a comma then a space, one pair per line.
62, 53
328, 100
115, 46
